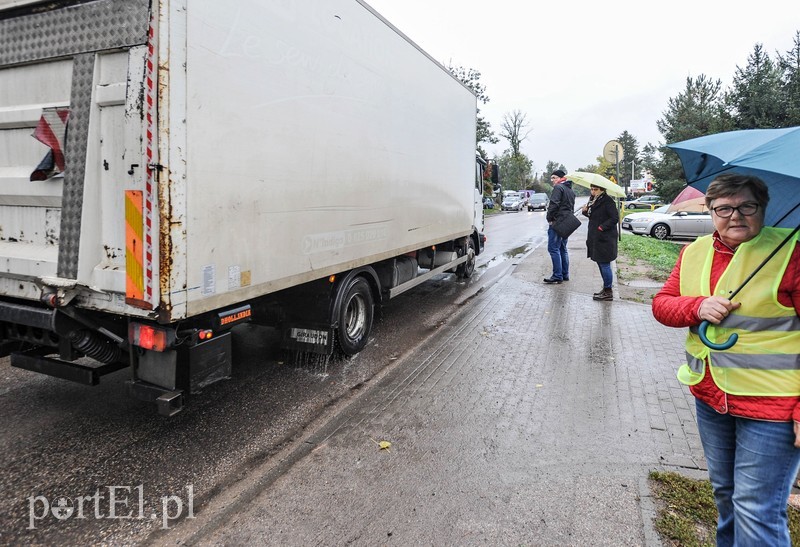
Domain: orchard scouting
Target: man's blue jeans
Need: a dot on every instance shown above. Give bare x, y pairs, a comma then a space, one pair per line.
752, 465
557, 247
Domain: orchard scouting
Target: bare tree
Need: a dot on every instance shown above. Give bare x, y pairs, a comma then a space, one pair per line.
513, 130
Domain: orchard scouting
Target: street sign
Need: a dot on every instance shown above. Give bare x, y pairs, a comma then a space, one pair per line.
613, 152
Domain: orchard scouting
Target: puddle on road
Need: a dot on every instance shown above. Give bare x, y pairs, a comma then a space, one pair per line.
517, 252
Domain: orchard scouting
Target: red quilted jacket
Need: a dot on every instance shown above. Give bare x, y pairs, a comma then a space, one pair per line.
674, 310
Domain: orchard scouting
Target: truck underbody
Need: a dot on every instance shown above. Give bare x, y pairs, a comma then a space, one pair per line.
333, 315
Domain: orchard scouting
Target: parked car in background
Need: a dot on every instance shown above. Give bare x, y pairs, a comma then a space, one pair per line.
512, 203
663, 225
538, 201
488, 203
649, 201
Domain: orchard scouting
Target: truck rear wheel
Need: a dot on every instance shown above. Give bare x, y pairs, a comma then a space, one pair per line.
466, 269
355, 316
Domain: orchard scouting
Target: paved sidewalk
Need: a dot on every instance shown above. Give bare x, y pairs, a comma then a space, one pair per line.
532, 418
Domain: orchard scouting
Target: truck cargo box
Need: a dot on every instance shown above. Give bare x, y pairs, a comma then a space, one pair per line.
165, 160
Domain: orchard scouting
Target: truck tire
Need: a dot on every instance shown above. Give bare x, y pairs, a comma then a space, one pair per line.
466, 269
355, 316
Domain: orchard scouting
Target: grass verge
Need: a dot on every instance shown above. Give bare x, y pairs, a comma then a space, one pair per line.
659, 256
687, 514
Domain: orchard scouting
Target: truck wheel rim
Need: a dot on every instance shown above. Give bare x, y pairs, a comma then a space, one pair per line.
355, 317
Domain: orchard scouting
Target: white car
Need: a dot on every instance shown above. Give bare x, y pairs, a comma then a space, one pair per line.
662, 225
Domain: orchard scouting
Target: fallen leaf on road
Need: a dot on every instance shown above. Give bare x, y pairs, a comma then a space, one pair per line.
383, 445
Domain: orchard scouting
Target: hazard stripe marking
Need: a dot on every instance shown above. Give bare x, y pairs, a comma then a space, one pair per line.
134, 227
150, 182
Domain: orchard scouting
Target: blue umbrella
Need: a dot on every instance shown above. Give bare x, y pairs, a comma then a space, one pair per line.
773, 155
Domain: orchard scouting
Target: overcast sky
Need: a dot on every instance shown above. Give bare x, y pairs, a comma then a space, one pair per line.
585, 71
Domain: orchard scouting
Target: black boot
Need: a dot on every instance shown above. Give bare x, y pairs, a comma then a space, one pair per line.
599, 293
605, 294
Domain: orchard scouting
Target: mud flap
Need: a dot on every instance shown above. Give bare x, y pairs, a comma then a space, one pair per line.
310, 339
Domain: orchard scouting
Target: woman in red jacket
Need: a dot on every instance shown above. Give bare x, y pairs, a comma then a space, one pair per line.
747, 396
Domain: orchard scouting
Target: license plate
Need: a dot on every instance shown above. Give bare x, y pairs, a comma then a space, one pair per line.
307, 336
626, 225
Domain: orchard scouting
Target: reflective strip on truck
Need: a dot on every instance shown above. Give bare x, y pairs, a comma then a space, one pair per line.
134, 267
149, 197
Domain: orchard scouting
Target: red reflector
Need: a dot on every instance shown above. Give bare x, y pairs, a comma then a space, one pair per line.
148, 337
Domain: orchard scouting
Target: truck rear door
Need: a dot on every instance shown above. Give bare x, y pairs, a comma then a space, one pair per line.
71, 144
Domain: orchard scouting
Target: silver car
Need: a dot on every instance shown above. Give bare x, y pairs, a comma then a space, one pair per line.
650, 201
512, 204
663, 225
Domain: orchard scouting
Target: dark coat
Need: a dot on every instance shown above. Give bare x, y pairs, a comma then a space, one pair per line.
601, 241
562, 202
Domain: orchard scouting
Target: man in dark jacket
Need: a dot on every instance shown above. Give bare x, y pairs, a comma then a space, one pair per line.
562, 202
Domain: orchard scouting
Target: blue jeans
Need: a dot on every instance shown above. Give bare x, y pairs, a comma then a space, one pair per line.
752, 465
557, 247
606, 274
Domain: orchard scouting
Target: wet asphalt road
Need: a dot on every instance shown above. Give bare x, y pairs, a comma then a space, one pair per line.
85, 445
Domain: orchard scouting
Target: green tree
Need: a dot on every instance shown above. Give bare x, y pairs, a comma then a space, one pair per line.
515, 171
630, 161
698, 110
483, 129
789, 67
755, 96
649, 157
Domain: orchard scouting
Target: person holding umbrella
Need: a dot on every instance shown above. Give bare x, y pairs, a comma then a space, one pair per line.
748, 394
601, 239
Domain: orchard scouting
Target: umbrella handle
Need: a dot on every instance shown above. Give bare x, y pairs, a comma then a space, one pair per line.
719, 347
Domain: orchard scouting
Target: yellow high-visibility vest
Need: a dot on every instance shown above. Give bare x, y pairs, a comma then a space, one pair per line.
766, 359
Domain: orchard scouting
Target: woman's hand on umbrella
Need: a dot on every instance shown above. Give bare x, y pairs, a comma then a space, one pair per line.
716, 308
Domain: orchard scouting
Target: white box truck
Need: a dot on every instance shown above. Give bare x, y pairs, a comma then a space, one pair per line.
172, 168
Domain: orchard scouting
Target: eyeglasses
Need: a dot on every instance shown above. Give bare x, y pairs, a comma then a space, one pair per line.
745, 209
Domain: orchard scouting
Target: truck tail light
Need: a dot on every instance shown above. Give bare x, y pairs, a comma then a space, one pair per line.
148, 337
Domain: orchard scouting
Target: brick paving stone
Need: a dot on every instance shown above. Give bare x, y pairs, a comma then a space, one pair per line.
532, 417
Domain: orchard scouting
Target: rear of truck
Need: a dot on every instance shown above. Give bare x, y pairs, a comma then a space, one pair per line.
168, 171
